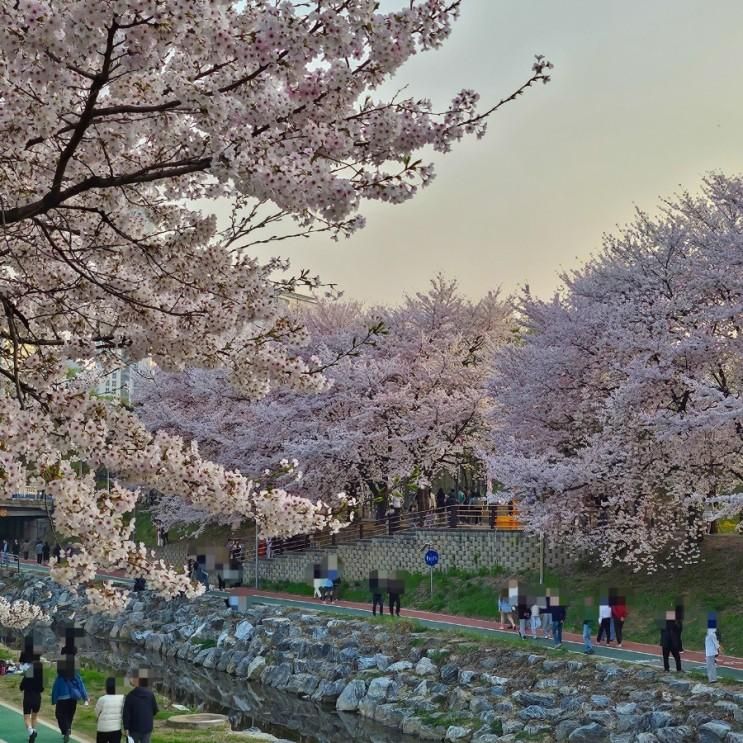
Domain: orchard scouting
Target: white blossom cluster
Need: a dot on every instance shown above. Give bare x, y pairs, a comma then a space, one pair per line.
19, 614
118, 117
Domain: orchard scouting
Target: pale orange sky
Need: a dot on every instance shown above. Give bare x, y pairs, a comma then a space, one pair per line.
645, 98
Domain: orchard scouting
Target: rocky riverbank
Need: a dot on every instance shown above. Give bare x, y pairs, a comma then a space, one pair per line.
428, 685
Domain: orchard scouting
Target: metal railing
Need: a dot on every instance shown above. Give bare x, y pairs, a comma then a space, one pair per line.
460, 517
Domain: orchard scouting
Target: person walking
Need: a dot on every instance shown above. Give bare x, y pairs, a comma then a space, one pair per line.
524, 615
67, 691
558, 620
588, 626
4, 552
140, 708
711, 651
46, 550
619, 615
376, 592
504, 606
546, 615
394, 589
670, 640
604, 621
452, 505
491, 499
535, 619
16, 548
108, 711
32, 684
25, 548
39, 549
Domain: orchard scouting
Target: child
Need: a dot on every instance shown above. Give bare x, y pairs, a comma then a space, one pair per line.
587, 632
711, 651
587, 625
536, 620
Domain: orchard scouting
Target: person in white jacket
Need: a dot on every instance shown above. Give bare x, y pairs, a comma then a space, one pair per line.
108, 711
711, 651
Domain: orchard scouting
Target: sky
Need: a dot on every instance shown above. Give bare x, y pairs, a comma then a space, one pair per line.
645, 99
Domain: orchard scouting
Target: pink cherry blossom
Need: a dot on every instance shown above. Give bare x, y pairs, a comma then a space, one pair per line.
618, 417
118, 118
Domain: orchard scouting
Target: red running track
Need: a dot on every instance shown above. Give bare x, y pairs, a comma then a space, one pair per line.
727, 661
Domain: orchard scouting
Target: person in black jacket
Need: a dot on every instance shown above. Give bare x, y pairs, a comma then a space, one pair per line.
140, 708
670, 640
32, 684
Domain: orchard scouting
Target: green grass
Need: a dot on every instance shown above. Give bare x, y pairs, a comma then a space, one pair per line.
713, 584
144, 528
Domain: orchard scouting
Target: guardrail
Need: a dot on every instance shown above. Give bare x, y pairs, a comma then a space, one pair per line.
461, 516
10, 561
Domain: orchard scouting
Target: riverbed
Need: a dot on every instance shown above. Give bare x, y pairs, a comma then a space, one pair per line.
247, 705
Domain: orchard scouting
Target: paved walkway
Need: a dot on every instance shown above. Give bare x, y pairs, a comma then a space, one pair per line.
13, 730
728, 666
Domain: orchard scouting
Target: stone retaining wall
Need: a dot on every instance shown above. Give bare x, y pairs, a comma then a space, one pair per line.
473, 549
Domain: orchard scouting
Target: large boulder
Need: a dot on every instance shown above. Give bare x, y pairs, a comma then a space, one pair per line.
382, 689
351, 696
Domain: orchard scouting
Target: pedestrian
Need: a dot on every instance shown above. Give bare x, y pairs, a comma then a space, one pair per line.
25, 548
57, 552
32, 684
108, 711
46, 551
394, 589
524, 615
16, 548
535, 619
546, 615
604, 620
452, 506
711, 651
558, 620
670, 640
4, 552
491, 499
200, 574
587, 625
39, 549
376, 587
67, 691
140, 708
504, 606
619, 615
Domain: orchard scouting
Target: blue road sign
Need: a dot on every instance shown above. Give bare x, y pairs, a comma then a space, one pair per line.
431, 557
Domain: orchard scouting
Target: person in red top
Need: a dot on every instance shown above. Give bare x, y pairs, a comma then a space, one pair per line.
618, 614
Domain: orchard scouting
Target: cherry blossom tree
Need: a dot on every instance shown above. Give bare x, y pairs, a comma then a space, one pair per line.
620, 411
116, 116
408, 403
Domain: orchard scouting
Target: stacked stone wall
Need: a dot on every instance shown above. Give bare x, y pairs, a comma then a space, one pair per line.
472, 549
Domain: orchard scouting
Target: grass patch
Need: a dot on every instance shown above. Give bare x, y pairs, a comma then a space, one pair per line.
711, 585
